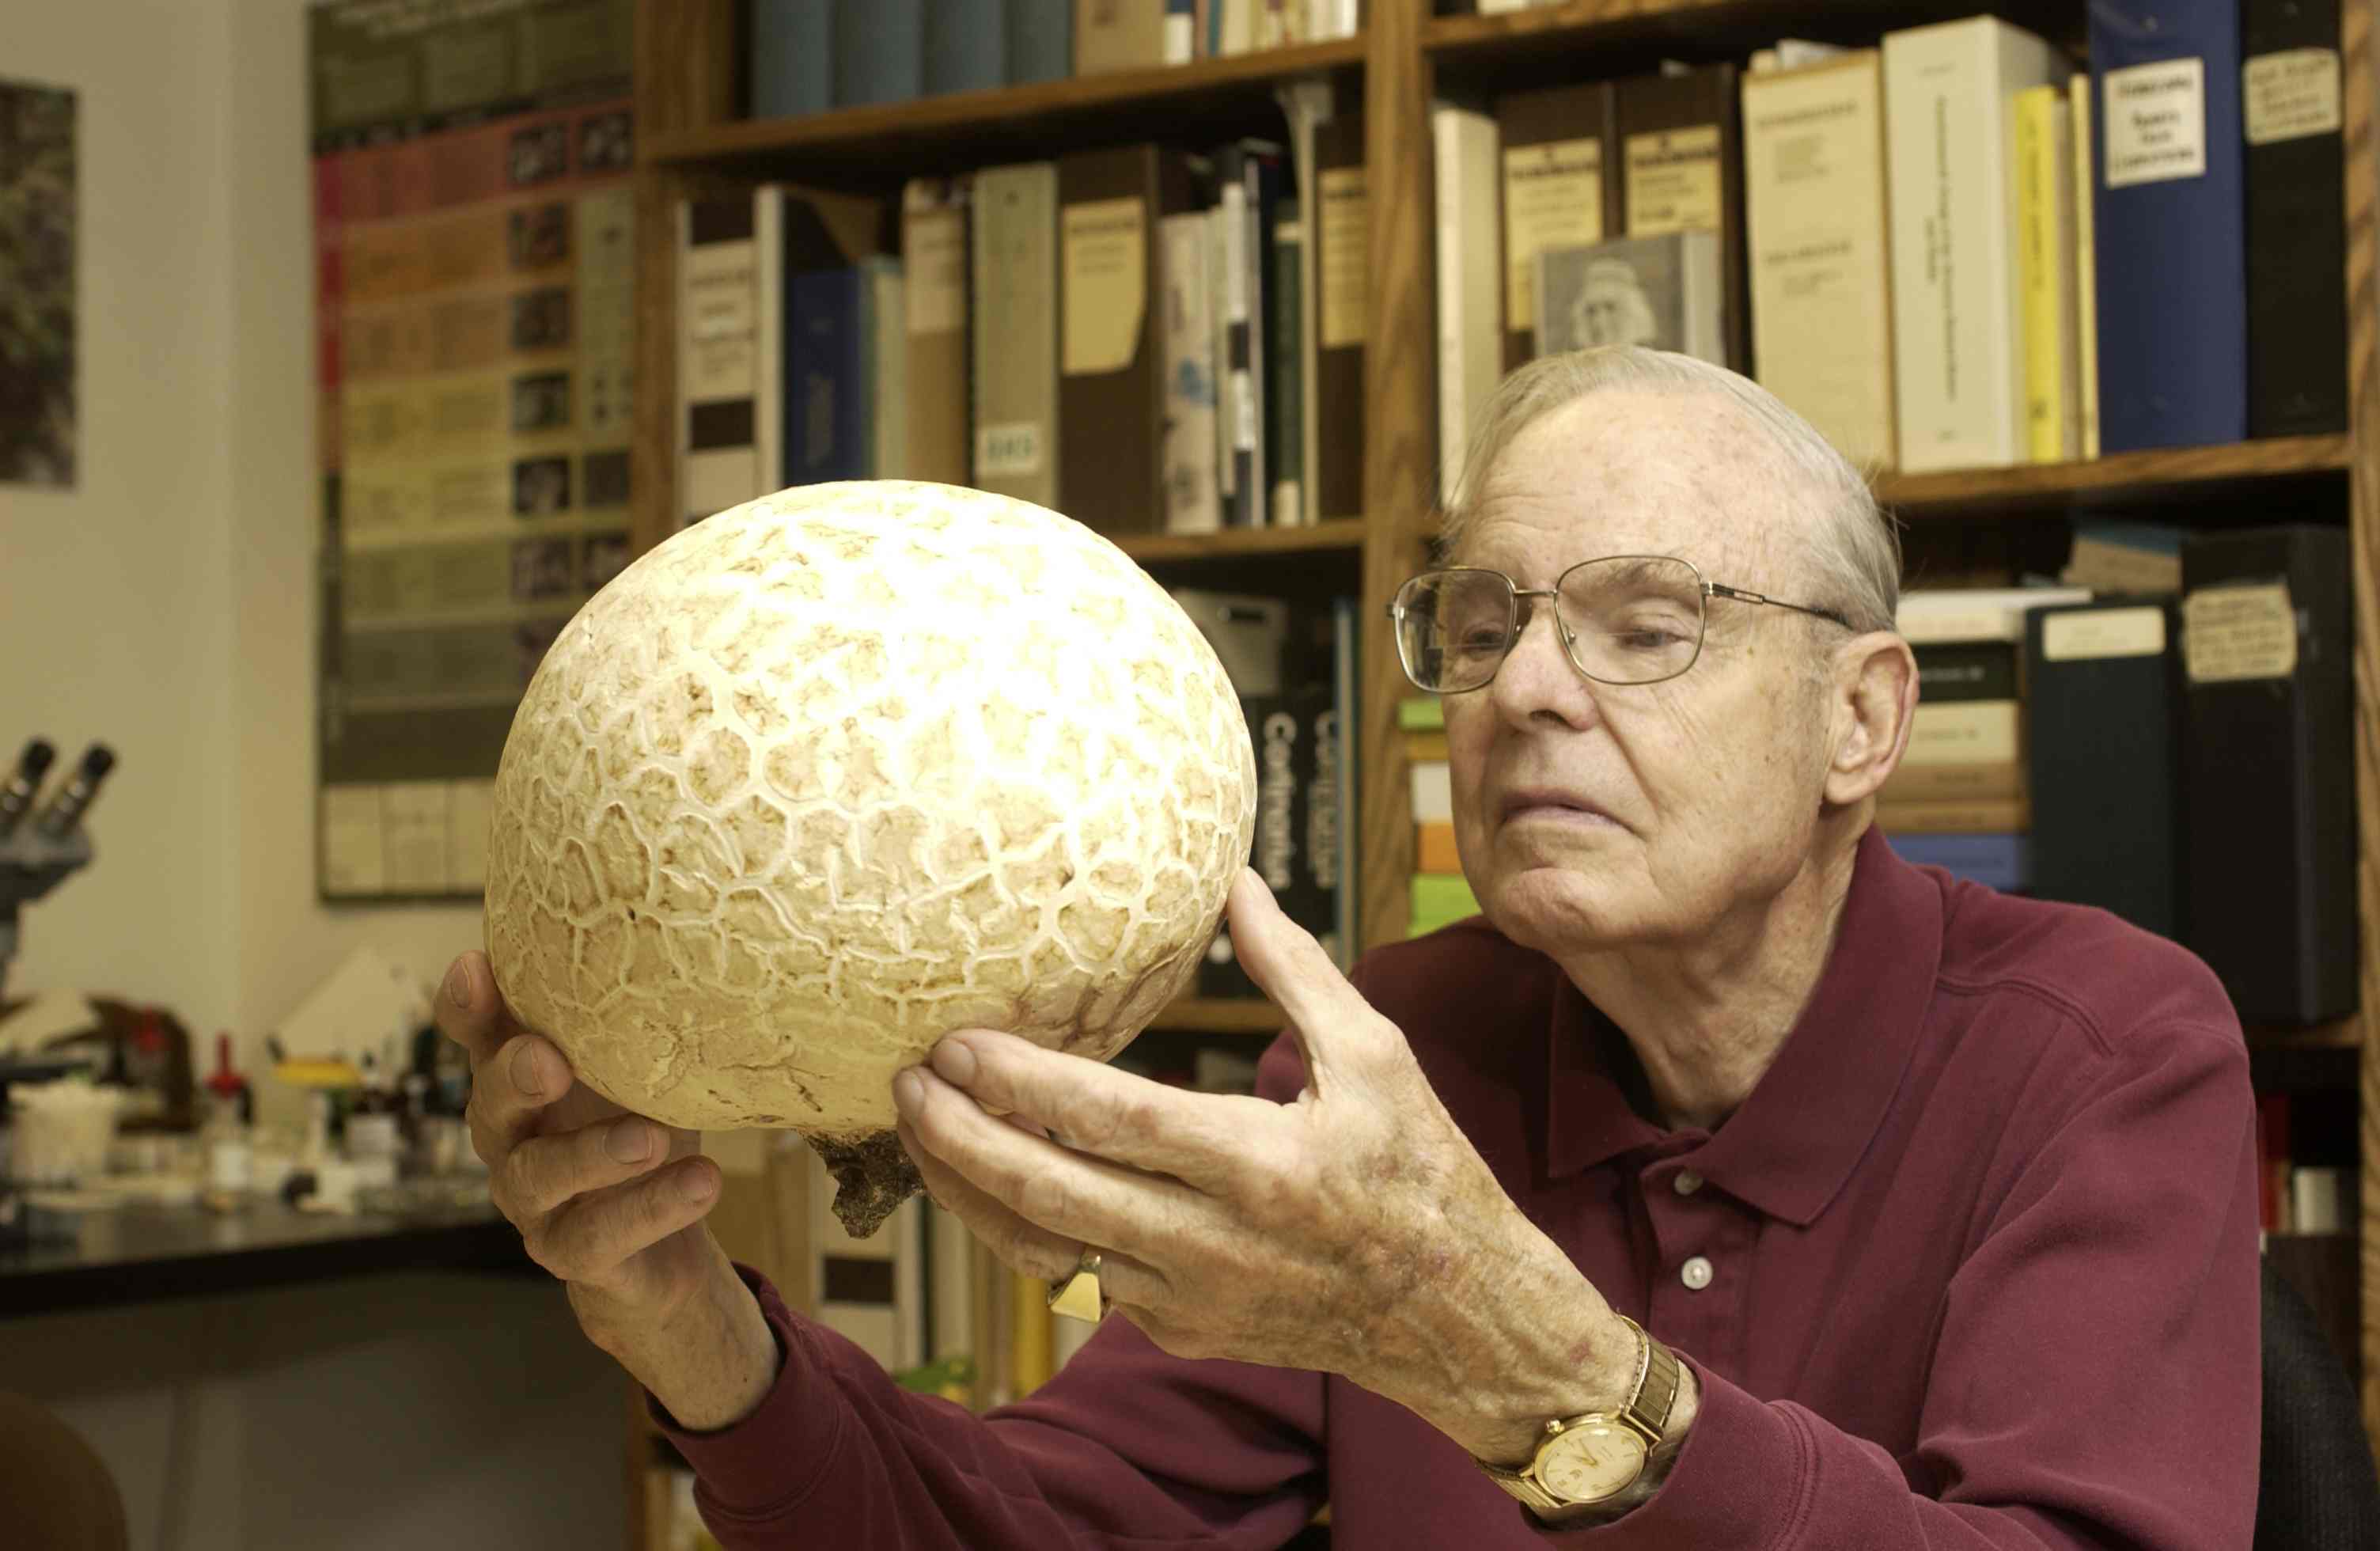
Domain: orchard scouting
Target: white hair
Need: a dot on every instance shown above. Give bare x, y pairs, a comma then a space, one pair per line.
1854, 548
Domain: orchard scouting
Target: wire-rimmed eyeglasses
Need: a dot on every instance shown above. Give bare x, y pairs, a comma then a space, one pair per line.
1623, 619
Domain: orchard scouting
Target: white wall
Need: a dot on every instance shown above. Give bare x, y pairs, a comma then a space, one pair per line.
165, 604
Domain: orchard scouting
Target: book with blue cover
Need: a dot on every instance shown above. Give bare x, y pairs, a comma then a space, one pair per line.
2171, 223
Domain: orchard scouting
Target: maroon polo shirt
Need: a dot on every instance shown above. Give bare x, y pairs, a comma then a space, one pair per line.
1974, 1265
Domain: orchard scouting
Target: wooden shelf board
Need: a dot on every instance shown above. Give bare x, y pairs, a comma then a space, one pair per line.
1222, 1016
2119, 478
2345, 1034
1701, 26
1339, 533
967, 130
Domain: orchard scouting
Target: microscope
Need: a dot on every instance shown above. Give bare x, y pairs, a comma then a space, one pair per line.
41, 845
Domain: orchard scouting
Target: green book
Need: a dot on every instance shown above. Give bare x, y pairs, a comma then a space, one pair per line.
1440, 898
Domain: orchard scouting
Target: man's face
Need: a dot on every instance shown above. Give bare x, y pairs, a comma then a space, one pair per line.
1700, 795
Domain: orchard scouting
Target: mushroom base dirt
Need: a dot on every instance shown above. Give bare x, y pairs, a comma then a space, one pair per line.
873, 1177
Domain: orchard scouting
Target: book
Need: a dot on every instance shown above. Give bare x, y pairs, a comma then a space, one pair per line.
792, 58
1819, 249
2087, 262
2102, 748
2170, 220
1947, 781
2267, 659
1191, 502
1665, 292
1117, 35
1953, 816
964, 47
1439, 900
880, 50
1040, 40
1342, 299
2045, 259
1958, 317
1949, 671
2115, 556
1285, 387
1013, 328
1997, 861
1963, 732
1681, 163
1470, 289
2294, 172
934, 264
1558, 187
1111, 357
1930, 614
718, 345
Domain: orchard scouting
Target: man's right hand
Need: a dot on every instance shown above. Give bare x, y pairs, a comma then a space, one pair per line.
611, 1204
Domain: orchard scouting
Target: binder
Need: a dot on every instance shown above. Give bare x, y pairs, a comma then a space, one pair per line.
2169, 224
2102, 744
2296, 175
2269, 769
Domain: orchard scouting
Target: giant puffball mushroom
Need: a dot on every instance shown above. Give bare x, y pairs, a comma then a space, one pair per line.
826, 776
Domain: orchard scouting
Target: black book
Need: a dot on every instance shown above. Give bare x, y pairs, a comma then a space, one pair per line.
2297, 217
2102, 746
2269, 769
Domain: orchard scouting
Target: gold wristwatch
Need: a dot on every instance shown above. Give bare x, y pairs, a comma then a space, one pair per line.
1594, 1458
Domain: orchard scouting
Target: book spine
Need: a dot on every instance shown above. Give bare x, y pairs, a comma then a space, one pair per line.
2041, 258
1014, 326
1469, 326
1191, 504
1284, 384
2086, 268
2173, 338
880, 50
792, 58
965, 45
1817, 250
934, 298
1040, 41
2295, 170
717, 357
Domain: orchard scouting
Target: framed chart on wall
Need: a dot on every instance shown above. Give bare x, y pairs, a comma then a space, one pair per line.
474, 302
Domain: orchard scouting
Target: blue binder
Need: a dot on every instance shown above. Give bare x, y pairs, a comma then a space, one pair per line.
880, 55
2172, 244
966, 49
1040, 41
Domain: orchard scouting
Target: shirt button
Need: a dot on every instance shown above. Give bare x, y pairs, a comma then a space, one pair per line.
1695, 1273
1685, 1181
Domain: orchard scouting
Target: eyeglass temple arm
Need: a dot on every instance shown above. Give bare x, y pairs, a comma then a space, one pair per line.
1717, 590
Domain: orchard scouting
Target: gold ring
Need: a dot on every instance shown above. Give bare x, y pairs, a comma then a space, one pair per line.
1080, 1296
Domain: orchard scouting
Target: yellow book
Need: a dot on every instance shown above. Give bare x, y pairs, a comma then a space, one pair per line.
1435, 849
2086, 269
1030, 1352
2045, 171
1420, 746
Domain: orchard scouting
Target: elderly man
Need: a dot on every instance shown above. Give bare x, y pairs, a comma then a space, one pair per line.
1728, 1183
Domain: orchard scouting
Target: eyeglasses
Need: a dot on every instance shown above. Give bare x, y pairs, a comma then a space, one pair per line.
1623, 619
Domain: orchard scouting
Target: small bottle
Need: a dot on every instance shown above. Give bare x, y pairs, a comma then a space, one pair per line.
66, 810
228, 1154
17, 797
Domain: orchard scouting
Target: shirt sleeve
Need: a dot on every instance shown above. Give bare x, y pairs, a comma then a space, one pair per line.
1125, 1446
2096, 1380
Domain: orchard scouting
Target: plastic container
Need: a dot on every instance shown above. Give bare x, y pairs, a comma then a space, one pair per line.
63, 1130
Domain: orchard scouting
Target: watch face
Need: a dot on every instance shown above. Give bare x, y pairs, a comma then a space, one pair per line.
1589, 1463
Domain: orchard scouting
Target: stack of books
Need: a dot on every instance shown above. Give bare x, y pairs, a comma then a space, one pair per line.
1959, 799
1441, 895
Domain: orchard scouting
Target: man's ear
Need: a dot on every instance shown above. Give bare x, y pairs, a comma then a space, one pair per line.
1873, 698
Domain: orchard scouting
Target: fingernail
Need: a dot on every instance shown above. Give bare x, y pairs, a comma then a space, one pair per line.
954, 1062
525, 1076
629, 1141
909, 1091
459, 983
697, 1184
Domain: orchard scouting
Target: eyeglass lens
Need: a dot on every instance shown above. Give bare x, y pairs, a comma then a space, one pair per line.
1631, 620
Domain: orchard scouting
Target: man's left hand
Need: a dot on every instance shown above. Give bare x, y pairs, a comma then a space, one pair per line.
1355, 1230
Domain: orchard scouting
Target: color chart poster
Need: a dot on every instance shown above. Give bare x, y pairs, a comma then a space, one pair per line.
474, 305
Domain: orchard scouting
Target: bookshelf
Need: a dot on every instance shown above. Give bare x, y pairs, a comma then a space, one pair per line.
691, 136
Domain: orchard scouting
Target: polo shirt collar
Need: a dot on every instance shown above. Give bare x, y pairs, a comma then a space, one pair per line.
1791, 1143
